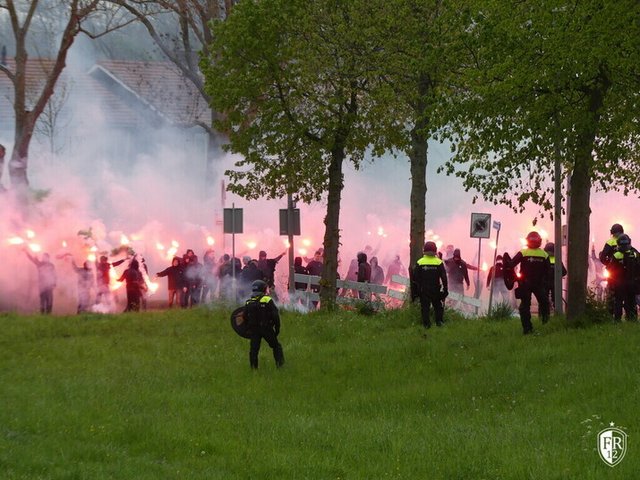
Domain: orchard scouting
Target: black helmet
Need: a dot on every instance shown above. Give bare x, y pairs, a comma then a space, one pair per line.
534, 240
616, 229
624, 242
550, 247
430, 247
259, 286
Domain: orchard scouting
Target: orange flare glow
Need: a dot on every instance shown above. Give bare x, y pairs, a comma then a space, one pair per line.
210, 241
15, 241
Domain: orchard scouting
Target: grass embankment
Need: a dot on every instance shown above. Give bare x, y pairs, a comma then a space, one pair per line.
169, 395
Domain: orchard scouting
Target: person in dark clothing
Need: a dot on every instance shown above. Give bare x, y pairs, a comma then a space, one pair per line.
209, 273
315, 268
193, 281
606, 257
268, 268
47, 280
395, 268
624, 270
499, 287
85, 283
249, 274
175, 281
429, 283
611, 245
135, 286
103, 279
458, 274
301, 269
551, 291
377, 273
364, 274
263, 321
225, 278
534, 274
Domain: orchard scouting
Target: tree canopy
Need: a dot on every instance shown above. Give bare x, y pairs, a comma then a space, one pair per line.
294, 81
555, 80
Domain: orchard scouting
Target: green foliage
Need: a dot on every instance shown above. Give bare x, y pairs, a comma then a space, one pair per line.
293, 82
549, 79
170, 395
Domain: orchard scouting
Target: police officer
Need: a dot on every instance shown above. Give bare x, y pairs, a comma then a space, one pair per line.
534, 274
429, 282
606, 255
263, 321
623, 269
551, 291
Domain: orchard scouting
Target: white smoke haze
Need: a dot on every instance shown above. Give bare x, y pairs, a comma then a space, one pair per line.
158, 199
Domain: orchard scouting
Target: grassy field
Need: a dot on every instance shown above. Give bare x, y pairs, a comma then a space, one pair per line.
169, 395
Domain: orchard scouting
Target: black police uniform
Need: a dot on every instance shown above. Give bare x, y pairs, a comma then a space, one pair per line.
263, 320
534, 274
427, 279
623, 270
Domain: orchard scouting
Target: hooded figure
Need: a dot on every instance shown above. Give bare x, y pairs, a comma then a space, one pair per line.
364, 272
135, 285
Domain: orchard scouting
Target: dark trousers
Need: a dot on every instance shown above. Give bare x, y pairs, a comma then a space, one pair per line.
624, 298
270, 337
133, 300
525, 292
46, 300
426, 302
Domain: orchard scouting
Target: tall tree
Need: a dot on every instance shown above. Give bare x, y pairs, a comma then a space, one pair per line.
291, 77
556, 78
73, 15
421, 55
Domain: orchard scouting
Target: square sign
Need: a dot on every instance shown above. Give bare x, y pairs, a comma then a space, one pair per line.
284, 222
232, 220
480, 225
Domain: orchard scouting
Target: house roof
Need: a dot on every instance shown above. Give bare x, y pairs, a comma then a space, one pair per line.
129, 93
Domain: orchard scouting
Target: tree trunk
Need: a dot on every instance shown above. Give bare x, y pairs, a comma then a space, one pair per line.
580, 187
20, 155
332, 230
26, 119
418, 167
578, 246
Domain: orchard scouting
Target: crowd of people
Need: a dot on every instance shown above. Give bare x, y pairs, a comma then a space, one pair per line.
191, 282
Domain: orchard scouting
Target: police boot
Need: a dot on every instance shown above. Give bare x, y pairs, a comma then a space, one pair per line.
278, 356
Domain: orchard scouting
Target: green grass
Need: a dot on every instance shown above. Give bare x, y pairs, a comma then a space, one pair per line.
169, 395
